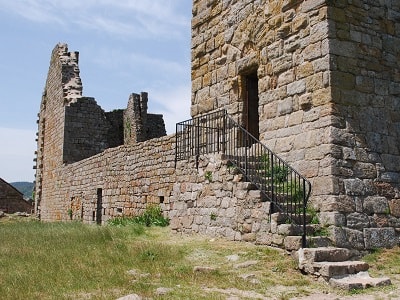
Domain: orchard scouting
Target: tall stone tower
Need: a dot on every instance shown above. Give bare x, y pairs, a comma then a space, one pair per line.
318, 82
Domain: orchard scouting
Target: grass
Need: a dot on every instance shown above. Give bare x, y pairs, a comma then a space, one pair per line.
76, 261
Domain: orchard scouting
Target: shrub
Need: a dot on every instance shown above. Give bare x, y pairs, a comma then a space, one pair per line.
152, 216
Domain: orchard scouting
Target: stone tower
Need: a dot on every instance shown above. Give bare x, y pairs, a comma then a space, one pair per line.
318, 82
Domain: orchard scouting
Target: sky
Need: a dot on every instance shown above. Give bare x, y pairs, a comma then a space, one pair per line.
125, 46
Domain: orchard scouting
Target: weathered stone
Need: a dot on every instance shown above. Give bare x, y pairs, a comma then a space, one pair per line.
246, 264
332, 218
358, 221
292, 243
394, 206
12, 200
380, 238
130, 297
376, 205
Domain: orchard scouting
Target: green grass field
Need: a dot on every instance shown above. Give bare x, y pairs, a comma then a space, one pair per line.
76, 261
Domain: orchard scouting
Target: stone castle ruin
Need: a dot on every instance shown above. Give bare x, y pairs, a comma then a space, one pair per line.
295, 136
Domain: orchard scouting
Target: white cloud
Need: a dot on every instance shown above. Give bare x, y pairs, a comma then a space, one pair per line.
16, 154
173, 103
134, 18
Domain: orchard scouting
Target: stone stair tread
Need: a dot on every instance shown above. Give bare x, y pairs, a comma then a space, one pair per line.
361, 280
325, 254
338, 268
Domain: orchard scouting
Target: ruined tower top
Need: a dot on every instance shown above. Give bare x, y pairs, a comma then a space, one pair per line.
71, 81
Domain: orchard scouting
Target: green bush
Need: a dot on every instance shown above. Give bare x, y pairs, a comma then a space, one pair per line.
151, 217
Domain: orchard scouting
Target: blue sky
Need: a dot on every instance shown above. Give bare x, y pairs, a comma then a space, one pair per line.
125, 47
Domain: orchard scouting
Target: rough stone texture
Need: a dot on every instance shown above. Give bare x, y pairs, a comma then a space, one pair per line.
328, 87
12, 200
72, 128
361, 280
337, 267
380, 238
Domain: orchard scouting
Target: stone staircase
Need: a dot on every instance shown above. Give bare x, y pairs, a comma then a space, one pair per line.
339, 267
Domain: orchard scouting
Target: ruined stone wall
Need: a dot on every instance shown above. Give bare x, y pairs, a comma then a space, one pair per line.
63, 86
140, 126
86, 130
128, 178
116, 132
72, 128
155, 126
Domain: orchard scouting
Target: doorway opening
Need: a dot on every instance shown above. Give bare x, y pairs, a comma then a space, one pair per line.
250, 110
99, 206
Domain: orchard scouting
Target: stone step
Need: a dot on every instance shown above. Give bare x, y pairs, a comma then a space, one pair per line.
332, 254
328, 269
362, 280
336, 267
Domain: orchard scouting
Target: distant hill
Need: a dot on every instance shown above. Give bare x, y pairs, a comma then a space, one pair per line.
25, 188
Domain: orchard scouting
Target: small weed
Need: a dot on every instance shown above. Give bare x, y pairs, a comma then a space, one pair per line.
323, 231
313, 213
69, 213
213, 216
208, 176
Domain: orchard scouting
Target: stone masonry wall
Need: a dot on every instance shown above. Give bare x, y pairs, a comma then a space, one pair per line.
286, 44
215, 200
365, 80
86, 130
328, 88
63, 86
72, 128
129, 176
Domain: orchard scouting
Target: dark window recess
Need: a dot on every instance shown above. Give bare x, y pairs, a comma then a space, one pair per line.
119, 210
161, 199
99, 207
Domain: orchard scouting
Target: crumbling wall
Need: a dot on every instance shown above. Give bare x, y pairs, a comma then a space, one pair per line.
140, 126
86, 130
72, 128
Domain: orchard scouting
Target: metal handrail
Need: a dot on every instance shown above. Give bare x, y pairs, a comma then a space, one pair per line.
286, 189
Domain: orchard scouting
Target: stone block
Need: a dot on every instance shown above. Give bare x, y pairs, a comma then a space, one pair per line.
264, 238
355, 187
379, 220
332, 218
394, 206
285, 106
277, 240
376, 205
292, 243
342, 203
249, 237
296, 87
358, 221
380, 238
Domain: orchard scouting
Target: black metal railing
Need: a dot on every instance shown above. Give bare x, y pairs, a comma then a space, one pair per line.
286, 189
